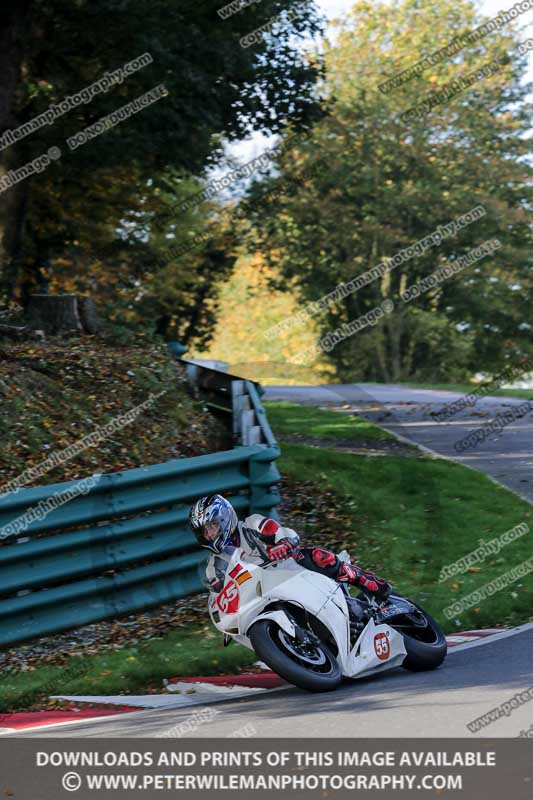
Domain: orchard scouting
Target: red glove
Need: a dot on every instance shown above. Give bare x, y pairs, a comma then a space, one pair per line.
277, 552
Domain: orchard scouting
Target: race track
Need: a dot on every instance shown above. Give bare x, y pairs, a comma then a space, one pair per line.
474, 679
506, 456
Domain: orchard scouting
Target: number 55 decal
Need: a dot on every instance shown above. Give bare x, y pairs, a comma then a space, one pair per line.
228, 599
381, 646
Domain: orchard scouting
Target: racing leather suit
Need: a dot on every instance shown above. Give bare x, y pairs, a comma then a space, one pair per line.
258, 534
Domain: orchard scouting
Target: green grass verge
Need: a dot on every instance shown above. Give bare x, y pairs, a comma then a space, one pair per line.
465, 388
128, 671
411, 517
291, 418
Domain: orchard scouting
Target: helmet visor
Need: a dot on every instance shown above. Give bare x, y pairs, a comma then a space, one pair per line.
212, 531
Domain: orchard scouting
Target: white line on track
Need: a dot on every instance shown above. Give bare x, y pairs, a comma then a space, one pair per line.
459, 648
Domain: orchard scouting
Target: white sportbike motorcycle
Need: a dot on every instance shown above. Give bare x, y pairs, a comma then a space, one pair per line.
307, 628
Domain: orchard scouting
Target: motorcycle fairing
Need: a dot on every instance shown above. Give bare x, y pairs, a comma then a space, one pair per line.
379, 647
369, 654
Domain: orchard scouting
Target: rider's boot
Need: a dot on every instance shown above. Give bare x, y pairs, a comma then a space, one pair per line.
371, 584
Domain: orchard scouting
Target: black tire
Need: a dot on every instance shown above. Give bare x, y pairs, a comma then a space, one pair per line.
265, 638
424, 655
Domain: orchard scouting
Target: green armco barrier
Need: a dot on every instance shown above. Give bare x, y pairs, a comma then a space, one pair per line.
255, 392
123, 546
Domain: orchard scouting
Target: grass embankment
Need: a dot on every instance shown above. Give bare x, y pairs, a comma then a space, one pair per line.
140, 669
55, 393
413, 516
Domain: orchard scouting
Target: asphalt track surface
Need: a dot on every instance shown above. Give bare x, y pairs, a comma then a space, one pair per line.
507, 457
474, 679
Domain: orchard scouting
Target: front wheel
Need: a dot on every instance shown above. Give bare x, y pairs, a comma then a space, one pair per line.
308, 666
423, 638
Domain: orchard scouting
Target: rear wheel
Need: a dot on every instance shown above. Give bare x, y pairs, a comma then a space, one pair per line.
308, 665
423, 638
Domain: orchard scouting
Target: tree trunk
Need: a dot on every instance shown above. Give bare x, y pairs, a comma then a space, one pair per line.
14, 20
62, 314
89, 319
194, 319
34, 279
393, 328
12, 219
162, 325
14, 29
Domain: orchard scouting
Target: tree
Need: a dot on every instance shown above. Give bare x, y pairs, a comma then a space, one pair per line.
380, 183
13, 21
216, 88
142, 278
245, 334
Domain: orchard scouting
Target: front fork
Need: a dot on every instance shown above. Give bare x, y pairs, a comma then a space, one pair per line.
301, 634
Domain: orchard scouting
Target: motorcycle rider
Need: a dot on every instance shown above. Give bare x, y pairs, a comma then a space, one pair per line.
216, 526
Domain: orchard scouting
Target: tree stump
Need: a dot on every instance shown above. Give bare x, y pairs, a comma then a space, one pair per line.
58, 314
